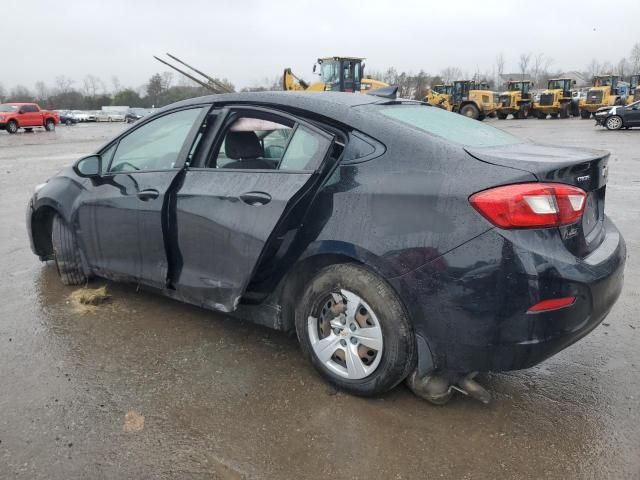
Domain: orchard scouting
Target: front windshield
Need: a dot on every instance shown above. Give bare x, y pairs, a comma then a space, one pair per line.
556, 84
8, 108
450, 126
330, 71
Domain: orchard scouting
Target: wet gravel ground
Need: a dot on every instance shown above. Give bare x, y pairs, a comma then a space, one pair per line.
145, 387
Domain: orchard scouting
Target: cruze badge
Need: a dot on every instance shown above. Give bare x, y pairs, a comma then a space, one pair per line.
583, 178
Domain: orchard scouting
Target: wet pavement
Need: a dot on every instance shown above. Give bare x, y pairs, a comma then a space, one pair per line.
145, 387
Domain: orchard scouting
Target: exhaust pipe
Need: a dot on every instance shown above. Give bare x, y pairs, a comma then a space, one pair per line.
438, 389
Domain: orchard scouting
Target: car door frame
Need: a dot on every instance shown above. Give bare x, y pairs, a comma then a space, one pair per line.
211, 146
93, 239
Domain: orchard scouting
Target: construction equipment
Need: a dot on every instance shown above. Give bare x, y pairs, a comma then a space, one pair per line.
603, 93
634, 93
516, 101
440, 96
556, 100
206, 81
474, 99
337, 74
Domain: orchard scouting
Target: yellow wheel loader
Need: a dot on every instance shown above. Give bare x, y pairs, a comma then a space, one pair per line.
440, 96
474, 99
556, 100
603, 93
516, 101
337, 74
634, 93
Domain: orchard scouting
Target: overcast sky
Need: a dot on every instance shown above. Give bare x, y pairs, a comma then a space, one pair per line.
247, 41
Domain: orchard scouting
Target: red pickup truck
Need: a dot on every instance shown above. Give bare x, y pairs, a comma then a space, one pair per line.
14, 116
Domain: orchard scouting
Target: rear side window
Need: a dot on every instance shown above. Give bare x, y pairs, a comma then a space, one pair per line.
450, 126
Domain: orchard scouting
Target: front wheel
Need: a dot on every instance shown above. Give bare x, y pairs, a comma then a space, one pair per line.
613, 123
12, 127
353, 328
470, 111
49, 125
66, 253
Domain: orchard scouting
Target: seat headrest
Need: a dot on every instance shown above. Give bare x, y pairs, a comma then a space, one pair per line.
243, 145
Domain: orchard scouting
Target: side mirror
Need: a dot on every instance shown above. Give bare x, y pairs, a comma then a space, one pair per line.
574, 82
89, 166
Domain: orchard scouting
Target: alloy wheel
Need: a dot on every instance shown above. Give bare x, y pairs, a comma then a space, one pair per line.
346, 336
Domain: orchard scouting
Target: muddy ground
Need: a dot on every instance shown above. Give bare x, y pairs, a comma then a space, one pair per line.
145, 387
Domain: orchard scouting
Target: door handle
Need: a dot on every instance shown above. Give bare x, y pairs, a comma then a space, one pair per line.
149, 194
255, 198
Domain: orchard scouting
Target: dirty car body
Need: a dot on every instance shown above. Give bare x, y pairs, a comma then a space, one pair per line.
386, 185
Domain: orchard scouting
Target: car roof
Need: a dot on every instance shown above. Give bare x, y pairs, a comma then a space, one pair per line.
338, 106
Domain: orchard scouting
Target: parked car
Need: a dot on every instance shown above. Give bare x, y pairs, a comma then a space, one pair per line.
617, 117
399, 241
14, 116
103, 116
133, 115
68, 118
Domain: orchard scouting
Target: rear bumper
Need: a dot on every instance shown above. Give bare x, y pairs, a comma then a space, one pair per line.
471, 305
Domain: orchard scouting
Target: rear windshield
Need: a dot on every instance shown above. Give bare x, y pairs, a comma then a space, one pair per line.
450, 126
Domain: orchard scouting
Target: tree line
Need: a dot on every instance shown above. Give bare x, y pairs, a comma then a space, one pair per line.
162, 88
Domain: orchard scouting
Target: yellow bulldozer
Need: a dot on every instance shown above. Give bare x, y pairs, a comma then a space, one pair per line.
603, 93
474, 99
556, 100
337, 74
516, 100
440, 96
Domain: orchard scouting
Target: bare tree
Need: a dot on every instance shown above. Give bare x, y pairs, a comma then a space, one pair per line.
20, 93
3, 93
451, 74
500, 61
63, 84
117, 86
634, 58
525, 58
42, 91
607, 67
623, 67
167, 79
594, 68
91, 85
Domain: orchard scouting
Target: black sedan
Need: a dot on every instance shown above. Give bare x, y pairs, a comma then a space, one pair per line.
398, 240
68, 118
619, 116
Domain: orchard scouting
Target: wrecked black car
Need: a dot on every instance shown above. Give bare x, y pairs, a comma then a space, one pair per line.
399, 241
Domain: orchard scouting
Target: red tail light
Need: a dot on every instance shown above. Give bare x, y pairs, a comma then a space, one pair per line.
552, 304
531, 205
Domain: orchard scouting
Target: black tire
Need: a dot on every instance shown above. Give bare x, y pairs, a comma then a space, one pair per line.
585, 114
12, 127
614, 122
541, 115
66, 253
49, 125
470, 111
564, 110
502, 116
68, 123
399, 345
553, 115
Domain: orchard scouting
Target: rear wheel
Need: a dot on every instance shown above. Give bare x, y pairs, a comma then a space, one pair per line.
613, 123
353, 328
502, 116
68, 123
49, 125
66, 253
470, 111
12, 127
564, 110
584, 114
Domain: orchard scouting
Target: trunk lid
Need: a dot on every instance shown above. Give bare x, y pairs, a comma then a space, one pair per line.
583, 168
